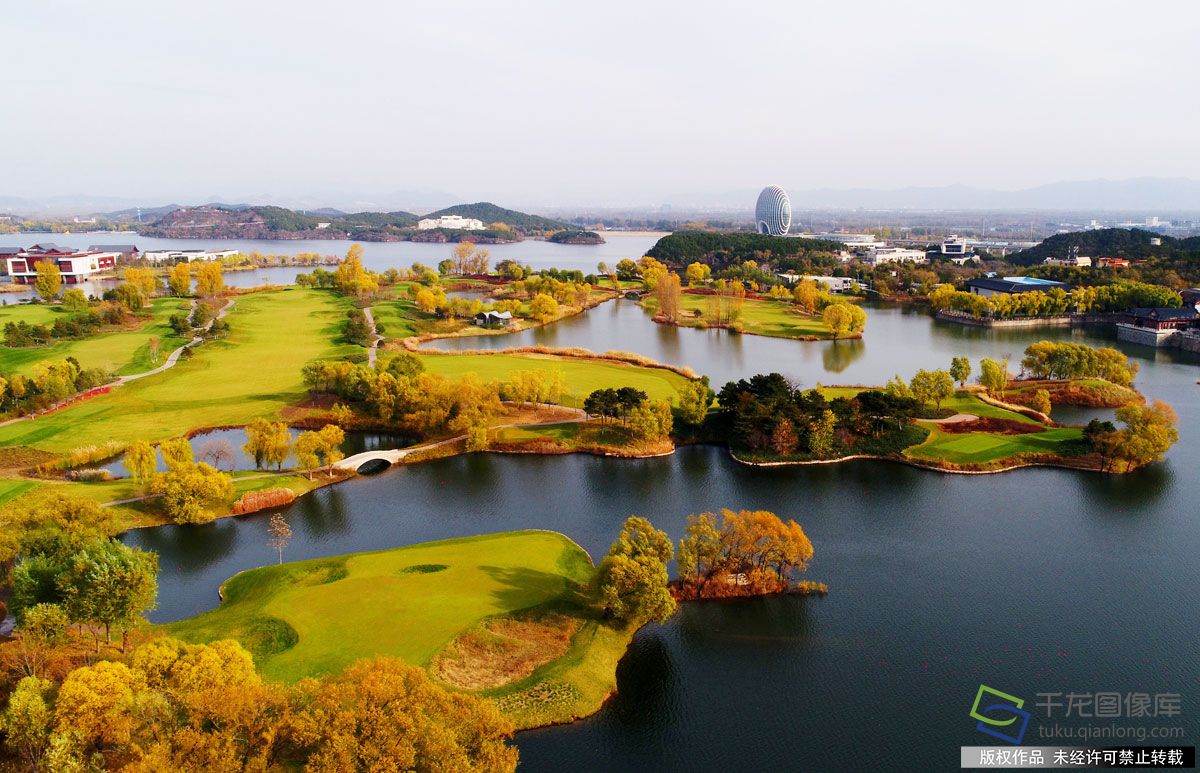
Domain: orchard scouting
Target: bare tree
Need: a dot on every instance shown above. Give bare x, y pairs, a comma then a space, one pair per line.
155, 344
218, 451
280, 533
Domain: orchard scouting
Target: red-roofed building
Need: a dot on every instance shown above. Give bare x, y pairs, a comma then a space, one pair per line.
74, 266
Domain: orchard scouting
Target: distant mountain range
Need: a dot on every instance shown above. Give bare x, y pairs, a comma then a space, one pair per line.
1148, 195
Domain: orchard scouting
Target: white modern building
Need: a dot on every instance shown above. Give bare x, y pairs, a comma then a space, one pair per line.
1078, 261
454, 222
834, 284
185, 256
953, 245
880, 255
854, 241
773, 211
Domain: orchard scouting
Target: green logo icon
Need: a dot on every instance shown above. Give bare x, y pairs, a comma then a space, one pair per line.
994, 710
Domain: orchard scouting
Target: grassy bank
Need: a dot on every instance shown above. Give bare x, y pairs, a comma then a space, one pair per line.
581, 375
432, 605
776, 319
119, 351
253, 372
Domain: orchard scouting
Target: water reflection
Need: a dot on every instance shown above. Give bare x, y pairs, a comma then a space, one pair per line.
839, 355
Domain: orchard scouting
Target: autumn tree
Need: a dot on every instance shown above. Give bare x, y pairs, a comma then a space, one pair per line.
209, 278
176, 452
1041, 401
74, 301
750, 553
821, 436
48, 282
993, 375
27, 720
1150, 430
805, 295
784, 439
632, 579
109, 584
932, 386
667, 292
141, 461
268, 442
543, 307
843, 319
187, 491
307, 448
960, 370
280, 533
142, 278
698, 273
332, 437
651, 420
179, 279
381, 711
695, 398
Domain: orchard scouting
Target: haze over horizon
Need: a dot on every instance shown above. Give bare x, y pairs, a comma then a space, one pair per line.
563, 105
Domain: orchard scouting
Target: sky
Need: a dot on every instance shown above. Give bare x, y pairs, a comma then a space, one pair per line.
589, 103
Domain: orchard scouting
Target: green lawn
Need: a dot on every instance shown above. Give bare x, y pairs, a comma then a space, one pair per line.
31, 313
123, 352
987, 447
777, 319
580, 376
318, 616
253, 372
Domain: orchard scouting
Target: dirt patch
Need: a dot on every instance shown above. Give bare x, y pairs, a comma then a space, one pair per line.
504, 650
996, 426
422, 569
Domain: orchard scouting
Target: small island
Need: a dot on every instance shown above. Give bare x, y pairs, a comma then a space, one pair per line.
575, 237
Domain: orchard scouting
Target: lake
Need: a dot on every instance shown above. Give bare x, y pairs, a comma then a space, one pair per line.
1032, 581
377, 256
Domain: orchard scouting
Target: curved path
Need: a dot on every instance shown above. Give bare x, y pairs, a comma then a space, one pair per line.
172, 358
373, 349
957, 418
394, 455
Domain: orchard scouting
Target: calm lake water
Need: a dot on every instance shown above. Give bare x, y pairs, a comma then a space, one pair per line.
233, 458
377, 256
1030, 581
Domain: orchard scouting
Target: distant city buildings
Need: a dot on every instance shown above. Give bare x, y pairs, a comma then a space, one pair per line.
880, 255
185, 256
453, 222
854, 241
953, 245
773, 211
1077, 261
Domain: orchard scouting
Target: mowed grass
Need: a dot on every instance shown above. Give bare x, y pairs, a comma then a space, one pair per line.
988, 447
777, 319
581, 376
408, 602
253, 372
122, 352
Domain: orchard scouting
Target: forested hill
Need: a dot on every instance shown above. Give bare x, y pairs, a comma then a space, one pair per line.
1131, 243
490, 213
217, 222
722, 249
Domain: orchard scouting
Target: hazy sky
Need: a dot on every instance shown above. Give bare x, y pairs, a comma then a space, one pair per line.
638, 102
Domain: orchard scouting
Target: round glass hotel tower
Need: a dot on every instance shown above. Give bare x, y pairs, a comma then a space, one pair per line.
773, 212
